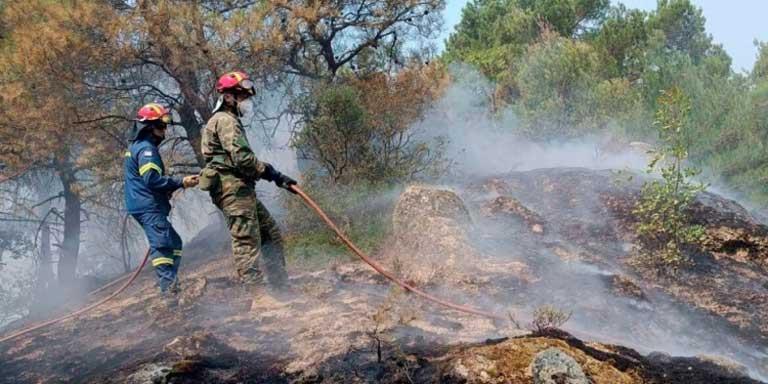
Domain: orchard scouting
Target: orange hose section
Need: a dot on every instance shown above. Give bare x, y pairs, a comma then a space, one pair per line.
81, 311
108, 286
121, 278
376, 266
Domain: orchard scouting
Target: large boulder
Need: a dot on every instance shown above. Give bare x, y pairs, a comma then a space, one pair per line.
430, 236
420, 201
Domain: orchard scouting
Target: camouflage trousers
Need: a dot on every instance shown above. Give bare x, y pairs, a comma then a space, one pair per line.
253, 231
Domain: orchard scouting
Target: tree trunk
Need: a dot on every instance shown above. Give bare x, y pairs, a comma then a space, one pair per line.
125, 252
41, 302
194, 130
194, 110
44, 271
71, 245
194, 107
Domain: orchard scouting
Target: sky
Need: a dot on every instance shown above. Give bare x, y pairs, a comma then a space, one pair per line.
735, 24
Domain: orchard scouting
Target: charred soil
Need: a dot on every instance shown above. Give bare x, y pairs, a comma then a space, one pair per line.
559, 236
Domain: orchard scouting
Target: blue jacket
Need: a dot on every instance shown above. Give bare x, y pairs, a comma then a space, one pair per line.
147, 190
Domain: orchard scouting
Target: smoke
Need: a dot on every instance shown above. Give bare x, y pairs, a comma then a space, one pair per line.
482, 144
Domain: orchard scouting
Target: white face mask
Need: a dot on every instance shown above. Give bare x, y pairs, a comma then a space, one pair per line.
245, 107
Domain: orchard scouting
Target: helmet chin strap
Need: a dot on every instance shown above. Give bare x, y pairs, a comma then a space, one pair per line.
220, 104
139, 130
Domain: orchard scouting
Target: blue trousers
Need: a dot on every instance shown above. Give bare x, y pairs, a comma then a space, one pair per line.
164, 247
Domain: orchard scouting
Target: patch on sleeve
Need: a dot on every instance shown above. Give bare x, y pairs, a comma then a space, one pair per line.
147, 154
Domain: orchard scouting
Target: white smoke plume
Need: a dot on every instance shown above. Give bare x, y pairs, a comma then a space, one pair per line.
481, 144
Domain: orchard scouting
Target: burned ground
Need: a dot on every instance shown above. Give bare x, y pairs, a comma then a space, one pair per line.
559, 236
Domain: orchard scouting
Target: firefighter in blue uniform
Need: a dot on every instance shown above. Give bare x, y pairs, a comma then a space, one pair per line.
147, 196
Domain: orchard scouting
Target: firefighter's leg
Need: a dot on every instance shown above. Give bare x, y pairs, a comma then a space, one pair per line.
177, 253
163, 241
272, 247
246, 248
162, 261
238, 202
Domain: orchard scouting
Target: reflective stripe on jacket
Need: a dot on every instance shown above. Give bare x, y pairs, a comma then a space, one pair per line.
147, 189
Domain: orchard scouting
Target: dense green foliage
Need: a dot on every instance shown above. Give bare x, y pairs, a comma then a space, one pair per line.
572, 68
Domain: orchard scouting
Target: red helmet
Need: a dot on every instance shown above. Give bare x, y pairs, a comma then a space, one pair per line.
235, 82
154, 112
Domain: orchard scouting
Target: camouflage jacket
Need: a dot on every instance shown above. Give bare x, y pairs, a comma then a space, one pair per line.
225, 147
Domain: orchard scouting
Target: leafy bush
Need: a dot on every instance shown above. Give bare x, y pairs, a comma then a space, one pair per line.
661, 211
363, 129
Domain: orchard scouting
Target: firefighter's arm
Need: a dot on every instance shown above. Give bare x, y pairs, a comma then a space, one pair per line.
152, 173
236, 144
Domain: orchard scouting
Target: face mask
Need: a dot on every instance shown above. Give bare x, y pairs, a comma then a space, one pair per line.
245, 107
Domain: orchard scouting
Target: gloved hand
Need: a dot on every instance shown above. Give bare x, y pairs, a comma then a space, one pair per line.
282, 181
190, 181
285, 182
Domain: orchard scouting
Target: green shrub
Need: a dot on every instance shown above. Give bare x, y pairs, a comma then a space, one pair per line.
663, 224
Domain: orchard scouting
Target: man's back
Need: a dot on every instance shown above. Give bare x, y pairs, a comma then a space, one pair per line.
225, 147
146, 190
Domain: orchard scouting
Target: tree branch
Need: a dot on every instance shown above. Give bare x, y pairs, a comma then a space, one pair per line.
59, 196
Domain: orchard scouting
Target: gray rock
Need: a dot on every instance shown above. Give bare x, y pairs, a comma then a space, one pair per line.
660, 357
430, 237
150, 374
420, 201
554, 366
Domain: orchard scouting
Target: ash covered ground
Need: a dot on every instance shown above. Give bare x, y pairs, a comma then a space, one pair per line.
508, 244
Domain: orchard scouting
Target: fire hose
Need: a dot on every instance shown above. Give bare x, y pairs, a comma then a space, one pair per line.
123, 246
83, 310
131, 279
378, 268
120, 290
311, 204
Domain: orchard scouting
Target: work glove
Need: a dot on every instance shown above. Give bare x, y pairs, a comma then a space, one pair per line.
285, 182
282, 181
190, 181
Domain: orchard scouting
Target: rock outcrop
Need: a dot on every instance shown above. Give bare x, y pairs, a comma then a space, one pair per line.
554, 366
431, 243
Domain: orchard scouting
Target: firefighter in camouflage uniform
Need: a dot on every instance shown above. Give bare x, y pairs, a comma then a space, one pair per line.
230, 173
